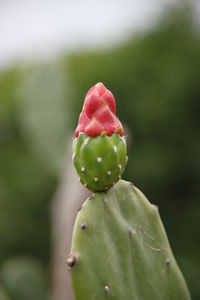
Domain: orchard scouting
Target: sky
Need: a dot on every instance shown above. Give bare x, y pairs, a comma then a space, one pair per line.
42, 28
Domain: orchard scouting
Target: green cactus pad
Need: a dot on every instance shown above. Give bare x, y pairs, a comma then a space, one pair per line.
120, 250
99, 161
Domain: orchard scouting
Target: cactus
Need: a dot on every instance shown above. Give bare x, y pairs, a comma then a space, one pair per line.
99, 149
119, 246
120, 250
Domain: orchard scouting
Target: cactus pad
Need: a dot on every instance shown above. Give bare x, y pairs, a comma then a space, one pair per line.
99, 161
120, 250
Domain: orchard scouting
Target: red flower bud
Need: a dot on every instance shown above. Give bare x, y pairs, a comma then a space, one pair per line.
98, 113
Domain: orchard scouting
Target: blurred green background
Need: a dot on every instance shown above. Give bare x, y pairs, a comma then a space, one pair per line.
155, 80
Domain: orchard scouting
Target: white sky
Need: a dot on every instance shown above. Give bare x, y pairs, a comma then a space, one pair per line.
41, 28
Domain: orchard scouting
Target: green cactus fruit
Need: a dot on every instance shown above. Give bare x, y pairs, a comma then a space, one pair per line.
99, 149
120, 250
99, 161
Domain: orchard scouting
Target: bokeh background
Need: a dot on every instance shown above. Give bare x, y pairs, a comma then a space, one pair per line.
148, 54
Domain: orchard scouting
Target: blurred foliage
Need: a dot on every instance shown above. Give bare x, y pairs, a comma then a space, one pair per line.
3, 294
24, 279
155, 80
25, 185
44, 112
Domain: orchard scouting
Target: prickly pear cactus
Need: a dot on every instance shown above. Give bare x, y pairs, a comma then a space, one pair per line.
99, 149
120, 250
119, 246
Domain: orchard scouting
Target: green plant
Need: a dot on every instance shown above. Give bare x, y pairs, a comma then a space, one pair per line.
99, 149
99, 161
120, 249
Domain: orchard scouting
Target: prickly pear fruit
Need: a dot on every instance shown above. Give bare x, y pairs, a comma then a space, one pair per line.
98, 113
99, 149
120, 250
99, 161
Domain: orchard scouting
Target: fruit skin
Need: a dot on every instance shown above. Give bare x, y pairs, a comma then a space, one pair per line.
98, 113
99, 161
122, 251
